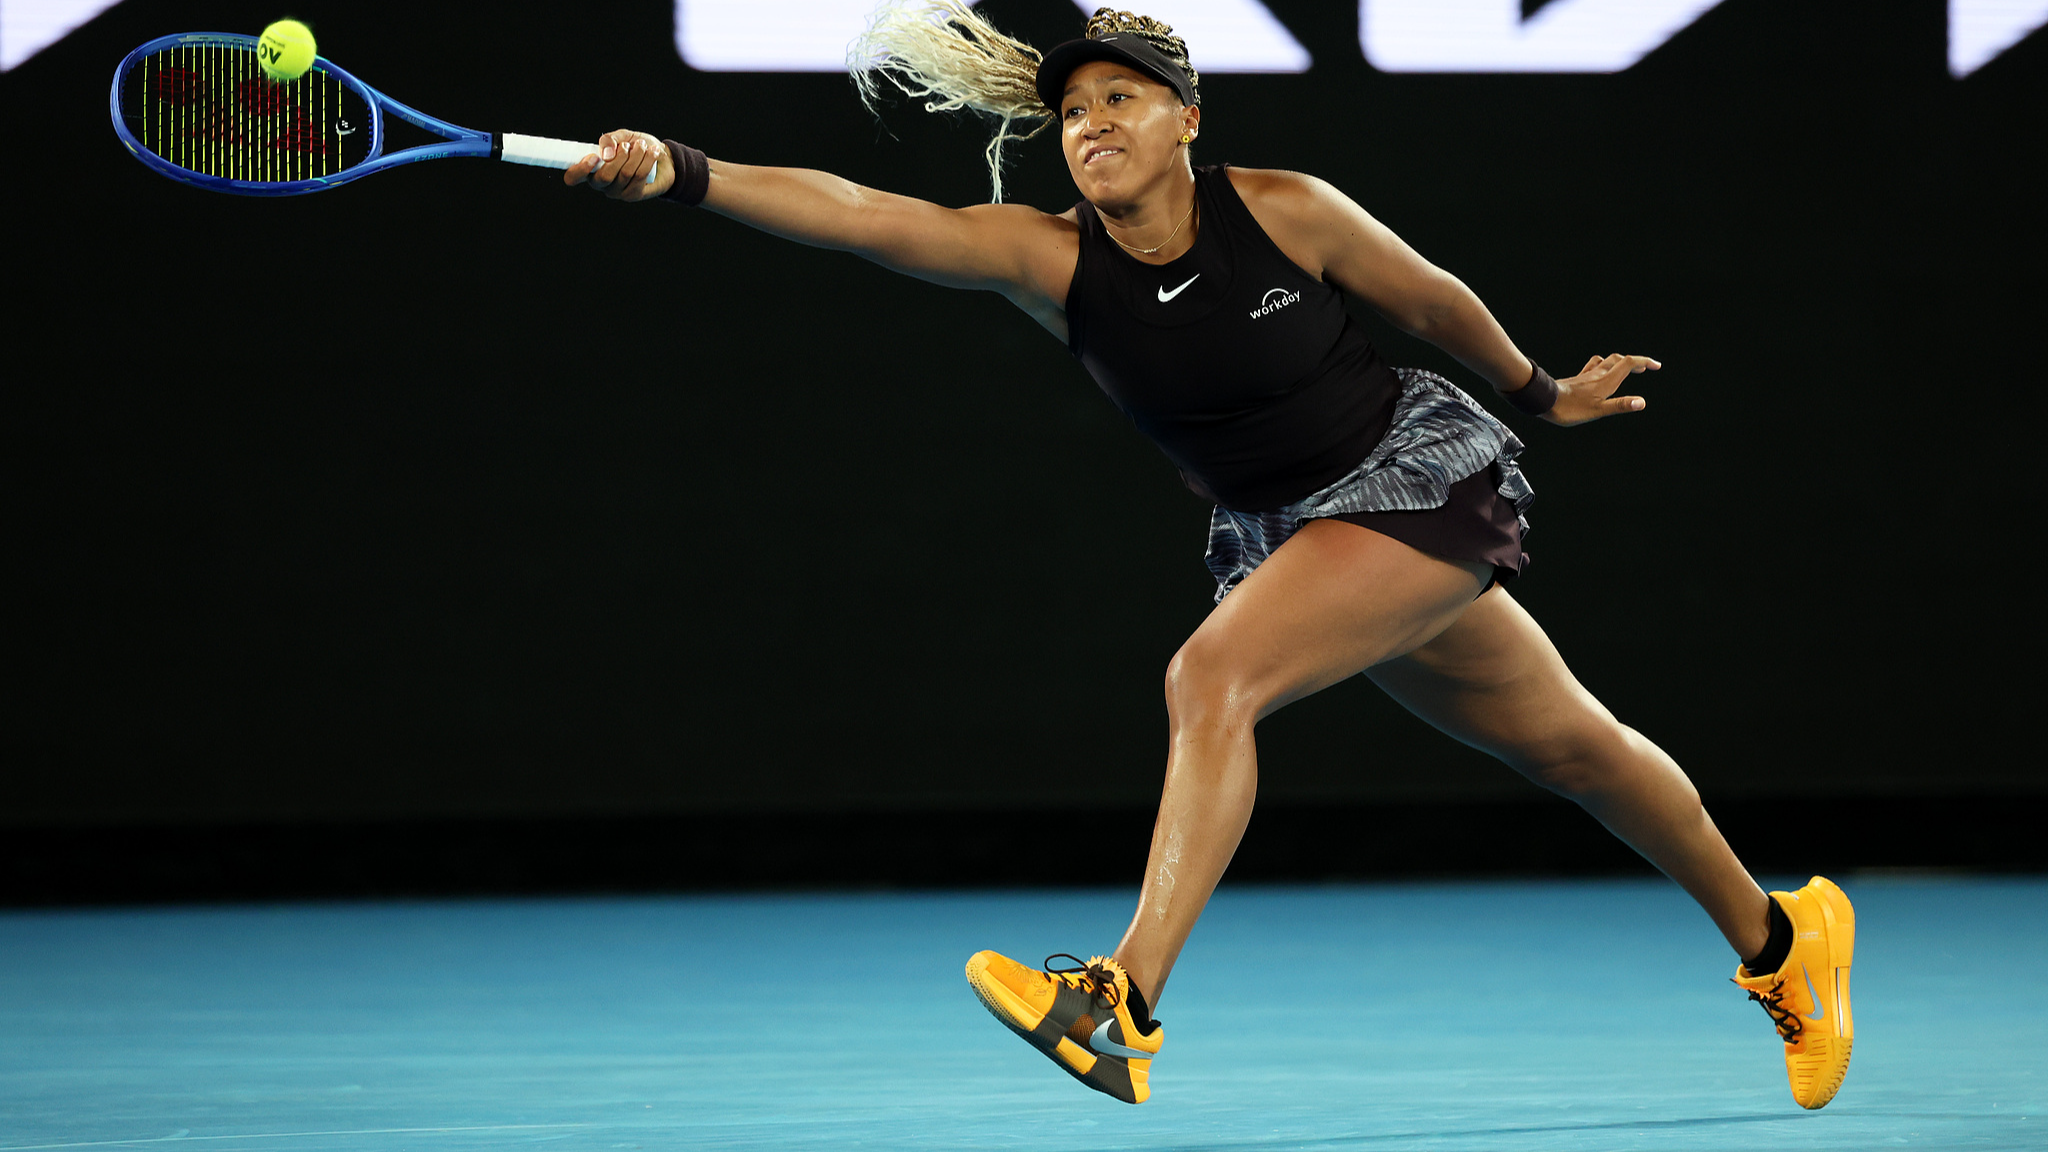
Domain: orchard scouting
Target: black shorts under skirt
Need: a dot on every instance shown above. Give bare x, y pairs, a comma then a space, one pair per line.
1476, 524
1443, 481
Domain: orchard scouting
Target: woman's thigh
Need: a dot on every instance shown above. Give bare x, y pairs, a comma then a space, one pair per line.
1493, 680
1333, 600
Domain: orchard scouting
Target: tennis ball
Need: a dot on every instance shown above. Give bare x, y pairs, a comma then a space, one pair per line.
285, 50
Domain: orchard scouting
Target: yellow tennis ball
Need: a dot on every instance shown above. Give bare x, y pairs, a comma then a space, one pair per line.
285, 50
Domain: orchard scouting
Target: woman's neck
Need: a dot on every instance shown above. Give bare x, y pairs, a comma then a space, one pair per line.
1158, 227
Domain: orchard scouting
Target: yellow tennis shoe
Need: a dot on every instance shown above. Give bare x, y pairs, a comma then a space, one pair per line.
1808, 997
1079, 1016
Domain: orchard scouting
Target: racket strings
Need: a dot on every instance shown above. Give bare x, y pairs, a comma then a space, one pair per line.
210, 109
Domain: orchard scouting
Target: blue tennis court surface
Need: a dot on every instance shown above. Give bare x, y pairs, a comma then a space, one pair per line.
1526, 1016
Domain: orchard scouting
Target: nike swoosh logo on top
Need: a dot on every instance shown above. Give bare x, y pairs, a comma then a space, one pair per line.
1100, 1041
1164, 295
1820, 1010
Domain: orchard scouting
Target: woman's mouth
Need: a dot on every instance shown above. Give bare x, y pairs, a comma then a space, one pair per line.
1099, 154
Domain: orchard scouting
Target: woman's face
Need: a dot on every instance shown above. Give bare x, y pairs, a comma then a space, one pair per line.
1121, 132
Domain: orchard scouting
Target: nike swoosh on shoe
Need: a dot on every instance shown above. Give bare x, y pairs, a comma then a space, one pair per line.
1820, 1011
1099, 1040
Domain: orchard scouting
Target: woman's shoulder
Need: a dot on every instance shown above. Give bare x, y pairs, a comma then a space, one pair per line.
1295, 210
1279, 189
1035, 253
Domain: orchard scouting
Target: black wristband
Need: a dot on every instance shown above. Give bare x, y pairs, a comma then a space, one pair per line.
1536, 397
693, 174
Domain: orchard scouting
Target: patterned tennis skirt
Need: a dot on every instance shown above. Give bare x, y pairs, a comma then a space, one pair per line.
1442, 480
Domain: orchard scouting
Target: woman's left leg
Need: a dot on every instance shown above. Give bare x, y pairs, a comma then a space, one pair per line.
1494, 681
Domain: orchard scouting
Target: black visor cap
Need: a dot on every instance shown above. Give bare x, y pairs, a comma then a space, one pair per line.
1129, 49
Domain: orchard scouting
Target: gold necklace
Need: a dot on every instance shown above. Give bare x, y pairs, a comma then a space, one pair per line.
1163, 243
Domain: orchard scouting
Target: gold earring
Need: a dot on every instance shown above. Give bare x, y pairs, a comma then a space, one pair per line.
1187, 137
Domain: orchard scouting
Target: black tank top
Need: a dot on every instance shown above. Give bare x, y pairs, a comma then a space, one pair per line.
1242, 367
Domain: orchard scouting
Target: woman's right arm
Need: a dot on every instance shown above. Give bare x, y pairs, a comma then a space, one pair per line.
1008, 248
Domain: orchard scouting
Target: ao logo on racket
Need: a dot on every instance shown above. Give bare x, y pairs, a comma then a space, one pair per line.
1274, 301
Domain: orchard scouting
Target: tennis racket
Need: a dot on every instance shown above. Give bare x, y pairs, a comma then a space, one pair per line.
198, 109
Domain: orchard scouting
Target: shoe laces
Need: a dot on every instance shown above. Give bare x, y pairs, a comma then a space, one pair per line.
1786, 1019
1094, 976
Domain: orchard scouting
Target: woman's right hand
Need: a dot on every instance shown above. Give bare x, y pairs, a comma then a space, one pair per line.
620, 166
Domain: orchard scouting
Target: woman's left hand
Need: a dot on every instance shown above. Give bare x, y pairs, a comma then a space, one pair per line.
1590, 394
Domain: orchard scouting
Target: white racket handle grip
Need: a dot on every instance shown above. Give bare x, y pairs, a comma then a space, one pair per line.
543, 152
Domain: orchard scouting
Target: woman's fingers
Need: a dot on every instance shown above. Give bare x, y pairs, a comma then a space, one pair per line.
1617, 367
636, 176
1624, 364
580, 171
613, 150
607, 162
1587, 396
626, 166
625, 162
1586, 409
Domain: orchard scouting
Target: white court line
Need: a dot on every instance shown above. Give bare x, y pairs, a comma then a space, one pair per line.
288, 1135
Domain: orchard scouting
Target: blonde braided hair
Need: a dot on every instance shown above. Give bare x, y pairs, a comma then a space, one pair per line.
949, 55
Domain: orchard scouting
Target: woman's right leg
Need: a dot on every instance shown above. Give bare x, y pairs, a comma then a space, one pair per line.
1333, 600
1494, 681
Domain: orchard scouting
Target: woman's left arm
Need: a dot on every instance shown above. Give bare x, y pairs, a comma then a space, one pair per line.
1358, 254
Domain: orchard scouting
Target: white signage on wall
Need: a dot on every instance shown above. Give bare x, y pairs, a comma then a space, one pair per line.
1492, 35
811, 35
1227, 35
1610, 35
1980, 29
29, 26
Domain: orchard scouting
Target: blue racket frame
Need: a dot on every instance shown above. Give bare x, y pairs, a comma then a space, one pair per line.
460, 141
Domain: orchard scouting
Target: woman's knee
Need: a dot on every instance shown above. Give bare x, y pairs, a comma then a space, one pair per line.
1588, 759
1205, 688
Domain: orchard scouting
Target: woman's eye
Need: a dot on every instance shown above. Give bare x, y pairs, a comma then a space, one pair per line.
1110, 99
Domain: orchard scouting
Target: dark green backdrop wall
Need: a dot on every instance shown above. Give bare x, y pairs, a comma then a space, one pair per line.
458, 493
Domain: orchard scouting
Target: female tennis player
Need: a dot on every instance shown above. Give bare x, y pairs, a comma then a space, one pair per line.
1367, 518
